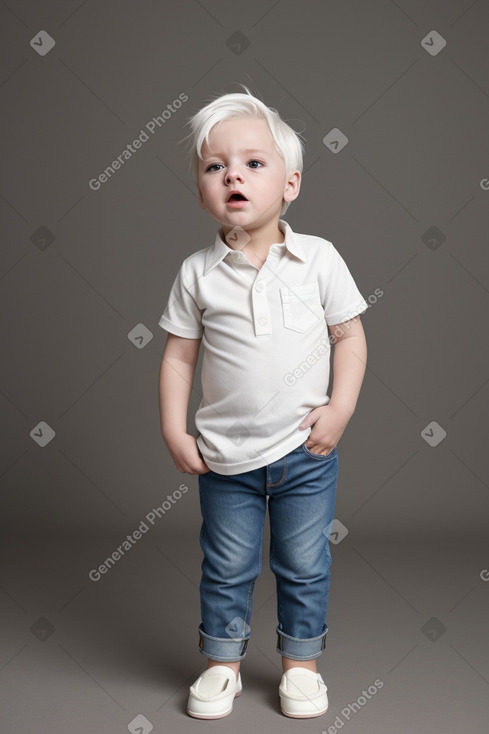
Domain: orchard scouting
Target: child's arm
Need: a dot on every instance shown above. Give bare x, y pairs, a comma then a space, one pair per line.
349, 363
175, 384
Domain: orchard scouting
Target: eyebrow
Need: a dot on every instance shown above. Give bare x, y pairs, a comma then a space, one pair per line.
248, 150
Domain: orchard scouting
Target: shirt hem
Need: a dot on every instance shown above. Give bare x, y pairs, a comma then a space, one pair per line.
179, 330
263, 460
340, 316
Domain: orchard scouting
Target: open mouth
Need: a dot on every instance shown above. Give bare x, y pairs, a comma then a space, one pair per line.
236, 200
236, 196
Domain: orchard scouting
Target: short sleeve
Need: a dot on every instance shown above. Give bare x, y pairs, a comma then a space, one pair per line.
342, 299
182, 315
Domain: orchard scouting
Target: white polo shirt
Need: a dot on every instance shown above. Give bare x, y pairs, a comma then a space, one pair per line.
266, 357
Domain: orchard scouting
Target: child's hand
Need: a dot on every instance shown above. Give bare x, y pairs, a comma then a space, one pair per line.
328, 425
186, 455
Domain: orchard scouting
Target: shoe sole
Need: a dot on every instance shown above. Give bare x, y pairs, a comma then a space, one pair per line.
303, 716
213, 716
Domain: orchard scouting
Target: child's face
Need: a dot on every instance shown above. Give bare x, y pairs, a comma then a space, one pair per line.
241, 156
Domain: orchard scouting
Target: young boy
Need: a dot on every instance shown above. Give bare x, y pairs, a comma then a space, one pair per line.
267, 303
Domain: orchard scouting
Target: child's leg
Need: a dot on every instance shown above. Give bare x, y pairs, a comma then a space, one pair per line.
301, 507
234, 666
233, 513
288, 663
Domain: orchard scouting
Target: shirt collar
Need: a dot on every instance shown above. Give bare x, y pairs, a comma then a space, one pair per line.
220, 249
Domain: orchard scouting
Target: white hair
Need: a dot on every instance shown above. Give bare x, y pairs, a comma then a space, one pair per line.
287, 141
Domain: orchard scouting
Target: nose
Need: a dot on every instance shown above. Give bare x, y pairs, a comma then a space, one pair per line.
233, 174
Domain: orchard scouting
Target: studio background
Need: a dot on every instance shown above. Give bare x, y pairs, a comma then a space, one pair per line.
392, 99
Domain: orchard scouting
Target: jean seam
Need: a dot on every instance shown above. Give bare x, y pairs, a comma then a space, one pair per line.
252, 583
271, 559
283, 642
284, 473
319, 457
248, 598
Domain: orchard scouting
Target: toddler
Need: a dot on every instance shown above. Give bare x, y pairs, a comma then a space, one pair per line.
270, 307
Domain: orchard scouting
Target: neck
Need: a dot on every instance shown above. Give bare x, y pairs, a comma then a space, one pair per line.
258, 239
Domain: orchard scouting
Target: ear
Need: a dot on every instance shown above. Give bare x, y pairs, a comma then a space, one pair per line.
292, 186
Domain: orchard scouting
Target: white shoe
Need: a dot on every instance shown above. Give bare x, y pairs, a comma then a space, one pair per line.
302, 694
213, 693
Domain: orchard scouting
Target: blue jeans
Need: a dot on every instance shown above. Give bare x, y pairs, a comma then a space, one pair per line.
301, 491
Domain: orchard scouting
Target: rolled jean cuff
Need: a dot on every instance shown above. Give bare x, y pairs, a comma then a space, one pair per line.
300, 649
222, 649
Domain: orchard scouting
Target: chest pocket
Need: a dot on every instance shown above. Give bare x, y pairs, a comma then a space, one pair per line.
301, 306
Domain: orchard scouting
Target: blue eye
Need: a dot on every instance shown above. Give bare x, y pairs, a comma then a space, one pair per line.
218, 166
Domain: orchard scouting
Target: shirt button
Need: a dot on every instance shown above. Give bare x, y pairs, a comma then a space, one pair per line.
239, 257
263, 321
259, 287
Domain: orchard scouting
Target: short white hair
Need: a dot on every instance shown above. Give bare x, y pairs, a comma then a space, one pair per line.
287, 141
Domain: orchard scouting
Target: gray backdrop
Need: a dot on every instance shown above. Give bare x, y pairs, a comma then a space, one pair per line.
393, 100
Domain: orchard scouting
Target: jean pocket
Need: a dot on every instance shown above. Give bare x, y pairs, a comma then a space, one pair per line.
320, 457
301, 306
